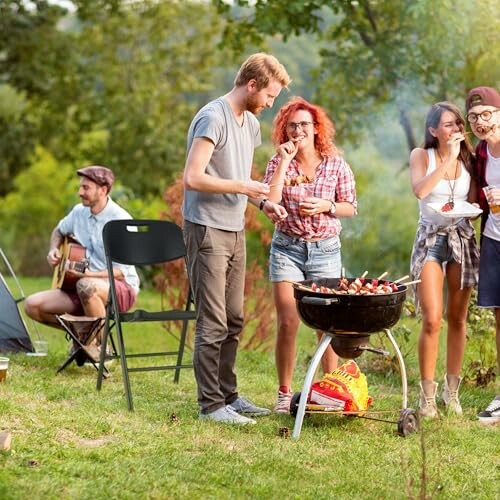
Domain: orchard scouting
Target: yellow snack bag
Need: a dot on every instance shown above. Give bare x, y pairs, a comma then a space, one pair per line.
344, 389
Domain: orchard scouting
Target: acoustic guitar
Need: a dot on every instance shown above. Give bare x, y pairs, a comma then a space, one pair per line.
73, 257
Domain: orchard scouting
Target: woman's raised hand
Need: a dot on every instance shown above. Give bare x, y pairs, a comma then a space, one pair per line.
288, 150
454, 144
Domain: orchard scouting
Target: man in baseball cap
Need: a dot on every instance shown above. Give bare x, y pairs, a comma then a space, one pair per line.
87, 291
102, 176
483, 112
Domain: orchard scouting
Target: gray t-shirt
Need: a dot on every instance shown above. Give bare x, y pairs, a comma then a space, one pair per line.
87, 230
232, 159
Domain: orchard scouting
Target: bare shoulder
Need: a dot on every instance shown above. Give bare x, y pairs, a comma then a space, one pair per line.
418, 157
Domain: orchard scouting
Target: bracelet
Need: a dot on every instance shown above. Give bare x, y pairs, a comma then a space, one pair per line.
262, 203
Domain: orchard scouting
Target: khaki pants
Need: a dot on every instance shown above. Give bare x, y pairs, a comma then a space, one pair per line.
216, 267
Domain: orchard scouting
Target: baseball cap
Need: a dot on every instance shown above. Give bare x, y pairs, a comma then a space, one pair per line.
100, 175
482, 96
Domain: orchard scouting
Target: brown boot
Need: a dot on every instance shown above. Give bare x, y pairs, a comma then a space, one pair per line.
450, 394
428, 407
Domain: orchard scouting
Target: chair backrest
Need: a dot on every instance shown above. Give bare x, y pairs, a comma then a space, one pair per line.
142, 241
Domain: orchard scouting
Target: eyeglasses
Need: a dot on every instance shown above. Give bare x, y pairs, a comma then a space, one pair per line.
485, 115
295, 125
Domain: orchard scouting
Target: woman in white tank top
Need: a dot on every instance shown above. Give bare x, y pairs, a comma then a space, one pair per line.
444, 248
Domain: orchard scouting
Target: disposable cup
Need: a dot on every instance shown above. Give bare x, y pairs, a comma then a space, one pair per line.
4, 368
494, 208
41, 348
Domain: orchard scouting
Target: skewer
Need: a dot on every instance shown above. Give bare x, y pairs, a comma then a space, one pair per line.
382, 275
364, 274
298, 284
411, 282
401, 279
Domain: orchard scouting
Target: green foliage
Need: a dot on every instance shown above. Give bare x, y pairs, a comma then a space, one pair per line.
16, 135
42, 194
381, 54
123, 74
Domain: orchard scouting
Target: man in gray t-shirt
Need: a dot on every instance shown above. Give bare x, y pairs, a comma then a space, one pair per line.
221, 141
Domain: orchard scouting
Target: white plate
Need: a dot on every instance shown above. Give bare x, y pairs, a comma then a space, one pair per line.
461, 209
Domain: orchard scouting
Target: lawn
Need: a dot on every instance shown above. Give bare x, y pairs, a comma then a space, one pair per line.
70, 441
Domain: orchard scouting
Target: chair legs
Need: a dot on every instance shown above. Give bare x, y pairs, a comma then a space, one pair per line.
89, 328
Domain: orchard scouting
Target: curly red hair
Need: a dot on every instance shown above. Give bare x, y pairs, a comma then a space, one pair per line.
323, 140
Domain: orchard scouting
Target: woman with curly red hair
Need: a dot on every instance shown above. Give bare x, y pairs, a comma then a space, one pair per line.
316, 186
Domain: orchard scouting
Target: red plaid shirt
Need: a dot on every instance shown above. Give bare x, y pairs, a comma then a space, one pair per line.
333, 181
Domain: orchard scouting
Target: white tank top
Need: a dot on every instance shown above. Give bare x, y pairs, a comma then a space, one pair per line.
442, 193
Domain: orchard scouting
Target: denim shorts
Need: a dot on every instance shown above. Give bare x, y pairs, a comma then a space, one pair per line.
441, 251
297, 260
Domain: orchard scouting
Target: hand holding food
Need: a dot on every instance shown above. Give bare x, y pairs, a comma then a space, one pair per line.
288, 150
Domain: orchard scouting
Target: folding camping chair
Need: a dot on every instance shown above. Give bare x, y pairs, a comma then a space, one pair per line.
143, 243
82, 330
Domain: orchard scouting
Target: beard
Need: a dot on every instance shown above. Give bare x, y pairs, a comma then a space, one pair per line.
253, 105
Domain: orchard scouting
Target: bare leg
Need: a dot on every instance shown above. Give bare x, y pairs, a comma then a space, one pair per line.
288, 324
43, 306
456, 315
93, 294
430, 294
330, 360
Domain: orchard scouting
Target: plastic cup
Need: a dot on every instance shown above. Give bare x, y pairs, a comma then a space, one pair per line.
4, 368
494, 208
41, 348
306, 191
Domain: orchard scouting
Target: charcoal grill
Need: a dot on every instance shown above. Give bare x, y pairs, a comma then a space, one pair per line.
347, 322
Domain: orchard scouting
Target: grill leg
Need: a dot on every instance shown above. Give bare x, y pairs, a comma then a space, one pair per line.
325, 341
402, 368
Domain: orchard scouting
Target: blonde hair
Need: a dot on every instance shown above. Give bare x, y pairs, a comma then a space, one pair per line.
263, 68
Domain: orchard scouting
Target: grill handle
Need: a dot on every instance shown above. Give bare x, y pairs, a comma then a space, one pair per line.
320, 301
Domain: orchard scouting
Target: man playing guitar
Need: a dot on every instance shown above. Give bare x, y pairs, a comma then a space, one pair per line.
84, 223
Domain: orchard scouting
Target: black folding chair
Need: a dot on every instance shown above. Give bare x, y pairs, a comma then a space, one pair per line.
142, 243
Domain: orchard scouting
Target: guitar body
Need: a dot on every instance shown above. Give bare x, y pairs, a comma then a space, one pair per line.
73, 256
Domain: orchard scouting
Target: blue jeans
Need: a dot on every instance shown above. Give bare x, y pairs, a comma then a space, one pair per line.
297, 260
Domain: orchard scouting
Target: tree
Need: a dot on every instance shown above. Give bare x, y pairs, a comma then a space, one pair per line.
376, 55
125, 73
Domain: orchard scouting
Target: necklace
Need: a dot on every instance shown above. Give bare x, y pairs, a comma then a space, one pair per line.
451, 200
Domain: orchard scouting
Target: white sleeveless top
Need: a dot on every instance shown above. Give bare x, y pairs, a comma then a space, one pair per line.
442, 193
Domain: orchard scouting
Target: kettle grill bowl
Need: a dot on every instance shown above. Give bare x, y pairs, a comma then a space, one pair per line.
348, 313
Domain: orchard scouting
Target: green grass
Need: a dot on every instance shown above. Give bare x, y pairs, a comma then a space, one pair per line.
70, 441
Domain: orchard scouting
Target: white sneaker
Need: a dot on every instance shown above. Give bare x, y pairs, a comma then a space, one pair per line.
450, 394
226, 415
427, 405
491, 415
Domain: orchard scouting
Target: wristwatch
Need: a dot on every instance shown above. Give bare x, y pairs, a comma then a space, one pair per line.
333, 208
262, 203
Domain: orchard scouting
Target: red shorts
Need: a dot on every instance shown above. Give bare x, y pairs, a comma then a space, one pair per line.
124, 292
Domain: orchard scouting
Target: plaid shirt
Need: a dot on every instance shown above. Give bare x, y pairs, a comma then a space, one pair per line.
333, 181
461, 240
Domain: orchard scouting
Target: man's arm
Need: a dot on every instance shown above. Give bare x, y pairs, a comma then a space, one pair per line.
56, 239
196, 178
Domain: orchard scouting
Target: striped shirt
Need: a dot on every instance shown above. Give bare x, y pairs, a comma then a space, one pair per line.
333, 181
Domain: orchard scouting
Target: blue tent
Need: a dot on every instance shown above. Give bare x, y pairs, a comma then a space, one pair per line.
14, 335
